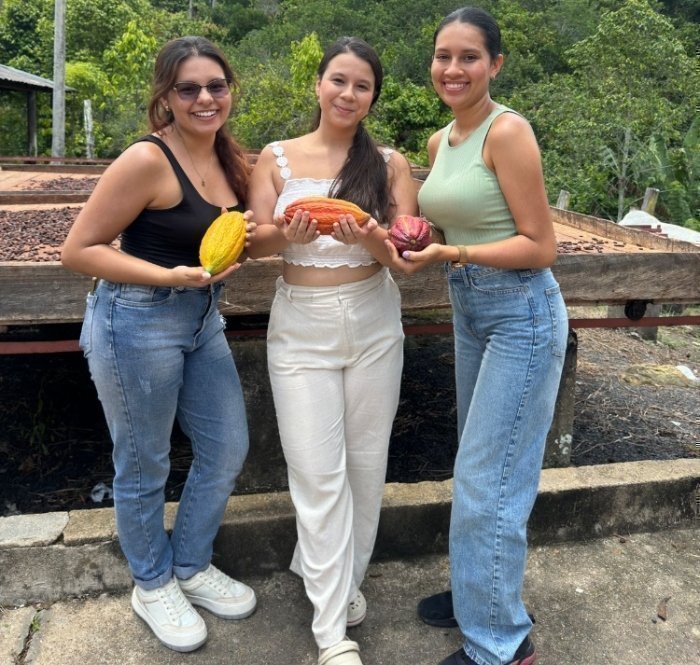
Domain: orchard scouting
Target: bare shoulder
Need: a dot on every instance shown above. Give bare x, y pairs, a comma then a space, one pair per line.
395, 159
273, 152
508, 127
434, 140
266, 157
141, 161
434, 144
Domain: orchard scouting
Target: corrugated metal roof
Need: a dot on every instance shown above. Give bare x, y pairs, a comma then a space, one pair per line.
15, 79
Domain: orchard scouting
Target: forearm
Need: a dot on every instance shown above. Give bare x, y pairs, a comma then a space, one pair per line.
108, 263
510, 254
268, 240
374, 244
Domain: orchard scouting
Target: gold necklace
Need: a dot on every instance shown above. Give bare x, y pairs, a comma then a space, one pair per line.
202, 178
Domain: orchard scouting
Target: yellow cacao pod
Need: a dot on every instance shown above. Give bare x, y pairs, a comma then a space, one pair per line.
325, 211
223, 242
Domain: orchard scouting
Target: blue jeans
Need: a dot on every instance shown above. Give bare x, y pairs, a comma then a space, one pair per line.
510, 330
156, 354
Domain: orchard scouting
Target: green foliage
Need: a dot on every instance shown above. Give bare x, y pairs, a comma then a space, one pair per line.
128, 64
610, 86
237, 18
305, 58
282, 100
89, 82
12, 116
21, 45
93, 24
631, 79
405, 116
525, 58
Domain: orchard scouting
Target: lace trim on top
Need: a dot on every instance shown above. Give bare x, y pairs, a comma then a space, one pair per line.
325, 251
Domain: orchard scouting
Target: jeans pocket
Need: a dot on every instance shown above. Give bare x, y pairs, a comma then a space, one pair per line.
85, 341
142, 295
496, 281
557, 311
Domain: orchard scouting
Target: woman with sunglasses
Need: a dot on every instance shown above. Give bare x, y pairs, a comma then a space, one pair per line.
154, 339
335, 340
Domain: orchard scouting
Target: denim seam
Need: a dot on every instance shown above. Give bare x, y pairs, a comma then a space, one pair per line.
506, 475
133, 448
195, 469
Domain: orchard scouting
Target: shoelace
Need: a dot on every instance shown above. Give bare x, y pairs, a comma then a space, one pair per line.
173, 600
220, 581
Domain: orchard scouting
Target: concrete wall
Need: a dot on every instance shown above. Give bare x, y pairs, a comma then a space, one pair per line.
427, 406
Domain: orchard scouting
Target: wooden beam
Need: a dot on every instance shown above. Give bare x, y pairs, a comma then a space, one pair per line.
36, 293
643, 267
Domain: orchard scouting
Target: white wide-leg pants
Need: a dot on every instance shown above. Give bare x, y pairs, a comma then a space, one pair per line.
335, 356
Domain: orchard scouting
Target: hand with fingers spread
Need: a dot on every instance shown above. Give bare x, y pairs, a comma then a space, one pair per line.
348, 231
301, 229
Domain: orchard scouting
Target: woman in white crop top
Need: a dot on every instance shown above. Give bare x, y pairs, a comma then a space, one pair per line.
335, 340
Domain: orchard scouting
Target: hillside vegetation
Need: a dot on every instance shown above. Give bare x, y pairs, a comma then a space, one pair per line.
611, 87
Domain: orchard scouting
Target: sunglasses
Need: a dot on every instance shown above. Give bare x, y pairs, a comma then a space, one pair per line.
188, 91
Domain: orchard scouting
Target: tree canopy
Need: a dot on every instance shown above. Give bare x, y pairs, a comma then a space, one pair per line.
611, 87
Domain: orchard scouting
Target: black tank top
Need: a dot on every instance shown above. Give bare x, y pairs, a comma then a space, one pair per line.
171, 237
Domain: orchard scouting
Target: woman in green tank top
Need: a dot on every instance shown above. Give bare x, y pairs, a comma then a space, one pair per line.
486, 193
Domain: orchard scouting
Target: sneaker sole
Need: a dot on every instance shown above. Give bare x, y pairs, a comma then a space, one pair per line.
155, 629
242, 612
356, 622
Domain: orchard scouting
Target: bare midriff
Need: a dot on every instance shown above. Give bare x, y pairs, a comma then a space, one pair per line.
313, 276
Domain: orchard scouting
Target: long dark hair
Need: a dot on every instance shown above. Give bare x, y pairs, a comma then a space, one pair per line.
363, 179
479, 18
168, 61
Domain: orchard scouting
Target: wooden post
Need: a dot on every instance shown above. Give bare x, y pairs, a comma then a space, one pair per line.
651, 196
563, 200
89, 137
33, 149
58, 130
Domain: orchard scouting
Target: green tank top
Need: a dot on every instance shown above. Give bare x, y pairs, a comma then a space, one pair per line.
461, 195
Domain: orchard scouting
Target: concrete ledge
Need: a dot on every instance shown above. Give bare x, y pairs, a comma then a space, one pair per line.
257, 535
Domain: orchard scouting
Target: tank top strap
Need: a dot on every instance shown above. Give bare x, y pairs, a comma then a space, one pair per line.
187, 187
281, 160
482, 131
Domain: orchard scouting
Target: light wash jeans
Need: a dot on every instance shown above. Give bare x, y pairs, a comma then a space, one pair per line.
510, 331
156, 354
335, 356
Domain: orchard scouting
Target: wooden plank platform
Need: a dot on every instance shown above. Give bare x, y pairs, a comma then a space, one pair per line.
599, 263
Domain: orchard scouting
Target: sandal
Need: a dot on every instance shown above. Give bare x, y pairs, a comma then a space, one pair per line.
346, 652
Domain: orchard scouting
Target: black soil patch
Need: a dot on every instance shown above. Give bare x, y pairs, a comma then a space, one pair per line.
55, 447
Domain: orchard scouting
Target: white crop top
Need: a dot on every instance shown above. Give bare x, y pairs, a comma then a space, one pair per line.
325, 251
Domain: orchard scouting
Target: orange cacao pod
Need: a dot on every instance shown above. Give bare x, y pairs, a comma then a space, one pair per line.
409, 232
223, 242
325, 211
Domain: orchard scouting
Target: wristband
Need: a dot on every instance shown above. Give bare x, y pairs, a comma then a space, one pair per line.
463, 256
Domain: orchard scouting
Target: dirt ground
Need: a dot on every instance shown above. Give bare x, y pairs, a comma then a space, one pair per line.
54, 447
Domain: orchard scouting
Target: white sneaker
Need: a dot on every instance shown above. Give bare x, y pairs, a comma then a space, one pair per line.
221, 595
170, 616
357, 610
